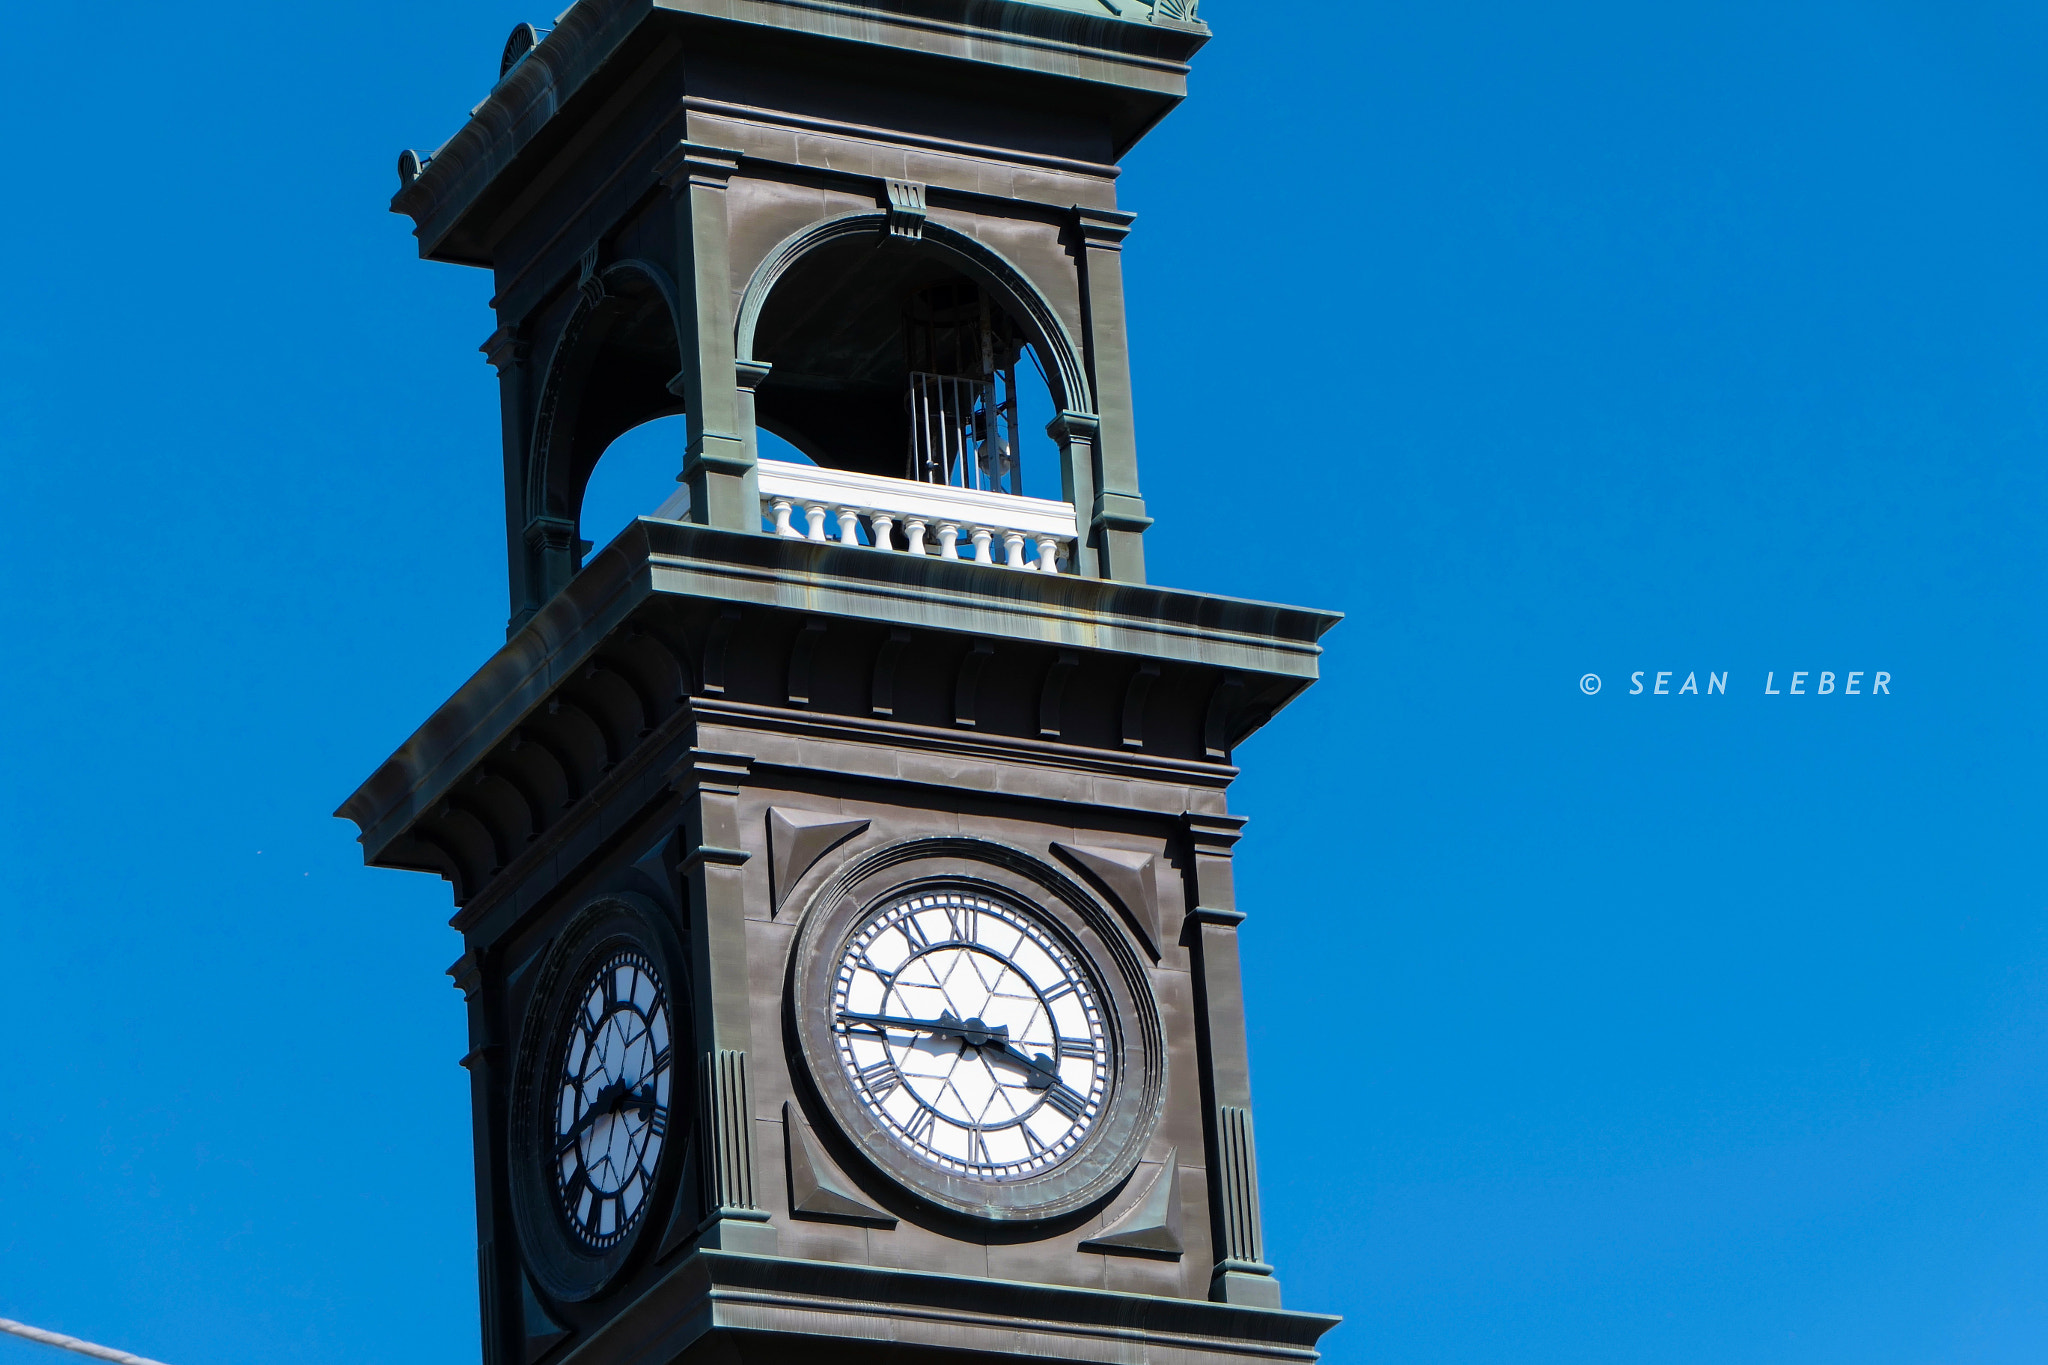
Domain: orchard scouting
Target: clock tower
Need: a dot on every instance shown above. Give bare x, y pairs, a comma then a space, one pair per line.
842, 854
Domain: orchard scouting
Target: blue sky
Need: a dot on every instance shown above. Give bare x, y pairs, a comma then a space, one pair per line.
1541, 340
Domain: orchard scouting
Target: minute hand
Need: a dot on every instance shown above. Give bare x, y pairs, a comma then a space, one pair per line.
972, 1031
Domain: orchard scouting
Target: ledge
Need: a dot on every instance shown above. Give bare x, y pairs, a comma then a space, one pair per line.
886, 1311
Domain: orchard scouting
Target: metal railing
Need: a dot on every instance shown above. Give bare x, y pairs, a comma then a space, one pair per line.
963, 433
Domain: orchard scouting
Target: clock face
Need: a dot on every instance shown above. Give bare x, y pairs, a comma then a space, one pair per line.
610, 1103
971, 1034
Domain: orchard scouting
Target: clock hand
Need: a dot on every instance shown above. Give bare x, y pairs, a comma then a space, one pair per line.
1043, 1076
615, 1096
971, 1031
1041, 1072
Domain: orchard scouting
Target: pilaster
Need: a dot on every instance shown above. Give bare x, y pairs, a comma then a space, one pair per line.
1076, 434
1241, 1274
511, 355
709, 783
718, 464
497, 1298
550, 545
749, 374
1117, 519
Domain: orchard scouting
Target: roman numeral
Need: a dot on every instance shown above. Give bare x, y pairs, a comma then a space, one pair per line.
977, 1147
888, 977
962, 920
881, 1079
1064, 1099
914, 932
1064, 989
1077, 1047
919, 1128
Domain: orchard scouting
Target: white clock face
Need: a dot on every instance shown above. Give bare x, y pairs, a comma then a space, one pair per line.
971, 1034
611, 1106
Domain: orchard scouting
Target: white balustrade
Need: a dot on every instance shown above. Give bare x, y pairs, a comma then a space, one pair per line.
1035, 533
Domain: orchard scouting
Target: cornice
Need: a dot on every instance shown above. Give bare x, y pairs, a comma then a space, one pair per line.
1049, 42
568, 642
1065, 610
515, 110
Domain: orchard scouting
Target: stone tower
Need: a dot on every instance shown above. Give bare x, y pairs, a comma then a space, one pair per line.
842, 853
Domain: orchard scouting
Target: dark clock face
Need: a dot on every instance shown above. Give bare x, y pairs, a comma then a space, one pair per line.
610, 1116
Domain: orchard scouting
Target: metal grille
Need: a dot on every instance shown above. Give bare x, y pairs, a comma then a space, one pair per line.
961, 435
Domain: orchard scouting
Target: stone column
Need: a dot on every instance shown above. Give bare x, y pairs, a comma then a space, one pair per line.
511, 356
1075, 433
721, 991
718, 464
1116, 519
750, 376
1241, 1274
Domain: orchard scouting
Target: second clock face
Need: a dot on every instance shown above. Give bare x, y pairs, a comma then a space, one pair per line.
611, 1104
971, 1034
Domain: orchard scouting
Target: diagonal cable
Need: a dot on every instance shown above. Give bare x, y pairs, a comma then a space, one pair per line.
72, 1344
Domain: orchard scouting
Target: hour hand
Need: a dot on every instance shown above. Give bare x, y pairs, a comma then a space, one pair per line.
1042, 1074
613, 1097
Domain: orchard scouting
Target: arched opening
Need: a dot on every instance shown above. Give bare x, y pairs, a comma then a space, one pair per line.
893, 357
636, 477
617, 354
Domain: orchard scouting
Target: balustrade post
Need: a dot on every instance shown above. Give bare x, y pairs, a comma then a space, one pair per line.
814, 513
913, 530
1048, 555
949, 540
849, 526
782, 507
881, 523
1013, 550
981, 536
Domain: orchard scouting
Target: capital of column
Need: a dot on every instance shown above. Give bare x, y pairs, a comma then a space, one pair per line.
1120, 511
505, 349
1074, 426
1215, 836
468, 975
1103, 229
550, 533
707, 770
696, 164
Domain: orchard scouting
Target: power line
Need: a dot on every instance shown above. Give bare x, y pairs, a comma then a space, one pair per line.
73, 1344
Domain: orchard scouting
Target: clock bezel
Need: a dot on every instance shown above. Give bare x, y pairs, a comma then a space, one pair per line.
1090, 934
563, 1265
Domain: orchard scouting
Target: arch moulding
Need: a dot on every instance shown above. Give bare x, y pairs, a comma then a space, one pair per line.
1055, 343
